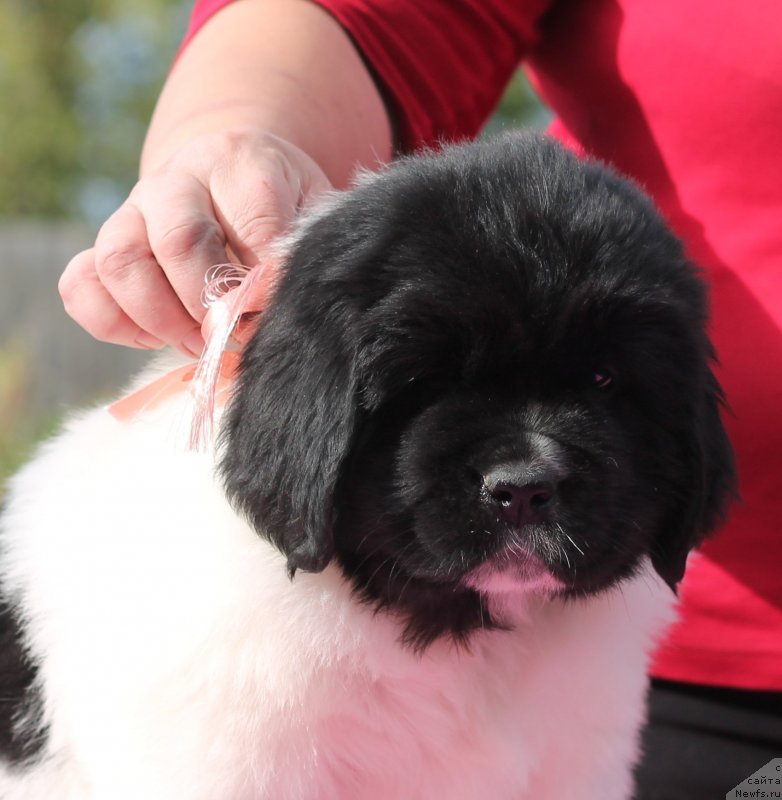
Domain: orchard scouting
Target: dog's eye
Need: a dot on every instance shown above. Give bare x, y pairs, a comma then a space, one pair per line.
603, 379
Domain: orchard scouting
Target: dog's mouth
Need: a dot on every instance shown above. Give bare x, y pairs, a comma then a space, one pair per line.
513, 569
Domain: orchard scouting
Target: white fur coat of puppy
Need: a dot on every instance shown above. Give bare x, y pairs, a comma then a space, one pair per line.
183, 664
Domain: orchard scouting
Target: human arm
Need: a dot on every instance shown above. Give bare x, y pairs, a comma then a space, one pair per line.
267, 105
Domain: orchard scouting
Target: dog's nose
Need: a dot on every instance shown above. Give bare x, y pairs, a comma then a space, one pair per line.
520, 495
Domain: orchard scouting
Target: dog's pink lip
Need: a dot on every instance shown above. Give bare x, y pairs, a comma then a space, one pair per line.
513, 569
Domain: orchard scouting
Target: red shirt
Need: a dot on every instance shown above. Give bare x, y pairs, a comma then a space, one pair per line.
686, 97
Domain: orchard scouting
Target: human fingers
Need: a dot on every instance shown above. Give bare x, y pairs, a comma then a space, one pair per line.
132, 276
89, 303
241, 187
223, 197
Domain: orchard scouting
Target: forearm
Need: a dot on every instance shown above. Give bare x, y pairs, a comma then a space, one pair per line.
280, 66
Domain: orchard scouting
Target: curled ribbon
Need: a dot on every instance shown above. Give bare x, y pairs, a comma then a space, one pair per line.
232, 294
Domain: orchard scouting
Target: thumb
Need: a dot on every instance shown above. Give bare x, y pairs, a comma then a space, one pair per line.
257, 205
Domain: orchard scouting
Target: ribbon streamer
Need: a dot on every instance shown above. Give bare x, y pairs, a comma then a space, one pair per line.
231, 292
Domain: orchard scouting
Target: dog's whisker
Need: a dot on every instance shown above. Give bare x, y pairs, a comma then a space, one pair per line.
570, 539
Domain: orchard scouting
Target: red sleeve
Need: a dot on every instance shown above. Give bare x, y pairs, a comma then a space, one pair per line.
441, 64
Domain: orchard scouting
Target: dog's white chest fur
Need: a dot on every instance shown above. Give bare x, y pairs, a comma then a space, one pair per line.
216, 678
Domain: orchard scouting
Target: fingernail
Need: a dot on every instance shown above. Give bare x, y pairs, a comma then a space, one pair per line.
194, 342
148, 341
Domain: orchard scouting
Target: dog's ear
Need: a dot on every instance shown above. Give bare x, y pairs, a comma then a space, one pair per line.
290, 424
711, 485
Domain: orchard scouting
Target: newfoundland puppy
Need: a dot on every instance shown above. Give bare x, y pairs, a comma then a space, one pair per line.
468, 449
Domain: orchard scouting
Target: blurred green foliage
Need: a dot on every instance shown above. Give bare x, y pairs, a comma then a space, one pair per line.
38, 130
519, 107
78, 81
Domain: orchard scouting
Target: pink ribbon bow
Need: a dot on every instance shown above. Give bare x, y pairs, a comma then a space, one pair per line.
233, 294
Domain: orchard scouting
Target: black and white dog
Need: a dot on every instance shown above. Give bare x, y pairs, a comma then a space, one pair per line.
478, 428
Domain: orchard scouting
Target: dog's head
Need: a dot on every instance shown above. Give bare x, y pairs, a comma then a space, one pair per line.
489, 363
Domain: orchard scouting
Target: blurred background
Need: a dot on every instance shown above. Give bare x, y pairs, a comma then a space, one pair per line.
78, 81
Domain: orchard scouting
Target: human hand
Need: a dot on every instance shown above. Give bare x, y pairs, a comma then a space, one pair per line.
223, 197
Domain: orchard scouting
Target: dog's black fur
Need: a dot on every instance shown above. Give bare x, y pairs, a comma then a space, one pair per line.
21, 704
497, 316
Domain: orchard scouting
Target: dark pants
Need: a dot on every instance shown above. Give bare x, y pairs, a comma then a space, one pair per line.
700, 741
